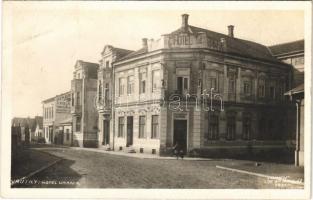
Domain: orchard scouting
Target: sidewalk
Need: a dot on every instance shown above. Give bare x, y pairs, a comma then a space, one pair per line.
139, 155
282, 171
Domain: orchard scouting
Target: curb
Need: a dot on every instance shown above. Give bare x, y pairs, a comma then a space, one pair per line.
262, 175
140, 157
35, 172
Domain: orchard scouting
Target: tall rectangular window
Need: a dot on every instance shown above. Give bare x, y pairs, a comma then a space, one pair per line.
272, 92
121, 86
106, 93
155, 126
232, 84
231, 127
213, 127
156, 80
100, 91
142, 83
247, 87
121, 127
107, 64
261, 88
142, 125
67, 134
246, 129
130, 84
78, 124
78, 98
182, 84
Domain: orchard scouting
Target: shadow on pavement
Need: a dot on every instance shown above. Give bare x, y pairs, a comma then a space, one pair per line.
60, 175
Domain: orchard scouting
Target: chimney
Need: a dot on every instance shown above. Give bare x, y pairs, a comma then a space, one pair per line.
144, 42
185, 20
231, 31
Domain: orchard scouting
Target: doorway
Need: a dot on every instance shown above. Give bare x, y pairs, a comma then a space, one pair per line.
106, 132
180, 134
129, 131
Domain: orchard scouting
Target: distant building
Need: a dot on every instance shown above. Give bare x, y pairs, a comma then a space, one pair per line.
37, 129
292, 53
29, 128
83, 105
55, 110
211, 93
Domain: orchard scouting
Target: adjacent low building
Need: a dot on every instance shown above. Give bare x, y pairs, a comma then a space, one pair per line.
292, 53
55, 110
297, 97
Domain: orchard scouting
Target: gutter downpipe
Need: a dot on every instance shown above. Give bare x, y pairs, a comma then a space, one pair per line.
298, 105
113, 103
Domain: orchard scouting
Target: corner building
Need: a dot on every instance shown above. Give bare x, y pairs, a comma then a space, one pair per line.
209, 92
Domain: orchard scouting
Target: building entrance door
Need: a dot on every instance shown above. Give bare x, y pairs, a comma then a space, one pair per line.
180, 134
106, 132
51, 134
129, 131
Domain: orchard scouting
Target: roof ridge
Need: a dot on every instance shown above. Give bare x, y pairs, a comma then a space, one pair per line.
286, 43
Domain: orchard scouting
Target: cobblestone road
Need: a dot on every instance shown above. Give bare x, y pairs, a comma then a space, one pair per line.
85, 169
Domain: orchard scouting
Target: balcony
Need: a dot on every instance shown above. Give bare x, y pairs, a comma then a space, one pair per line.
104, 106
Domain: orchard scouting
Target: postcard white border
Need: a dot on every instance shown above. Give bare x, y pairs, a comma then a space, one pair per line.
6, 191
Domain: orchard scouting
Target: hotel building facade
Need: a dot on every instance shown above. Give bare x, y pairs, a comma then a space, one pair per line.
211, 93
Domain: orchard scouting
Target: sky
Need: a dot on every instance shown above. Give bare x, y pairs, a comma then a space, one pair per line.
45, 39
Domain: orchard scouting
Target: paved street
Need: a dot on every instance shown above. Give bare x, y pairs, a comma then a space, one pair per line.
86, 169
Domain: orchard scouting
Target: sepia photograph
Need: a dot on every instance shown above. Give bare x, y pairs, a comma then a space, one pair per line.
173, 97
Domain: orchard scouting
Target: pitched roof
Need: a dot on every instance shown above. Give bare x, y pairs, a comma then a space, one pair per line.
28, 122
122, 52
235, 46
287, 48
134, 54
23, 122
